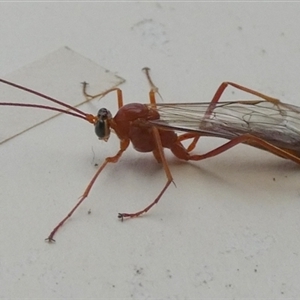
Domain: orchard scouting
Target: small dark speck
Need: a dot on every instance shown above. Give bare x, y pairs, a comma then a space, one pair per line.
282, 34
282, 293
113, 286
204, 281
139, 271
237, 269
255, 270
240, 28
274, 179
96, 165
232, 92
89, 211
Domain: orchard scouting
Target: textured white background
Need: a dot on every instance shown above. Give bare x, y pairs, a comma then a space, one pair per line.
231, 227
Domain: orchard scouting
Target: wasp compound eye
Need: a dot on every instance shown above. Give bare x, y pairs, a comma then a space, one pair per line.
102, 129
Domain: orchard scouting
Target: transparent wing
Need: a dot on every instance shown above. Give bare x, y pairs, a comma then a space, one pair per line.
277, 123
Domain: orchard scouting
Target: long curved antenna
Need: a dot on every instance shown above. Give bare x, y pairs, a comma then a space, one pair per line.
76, 112
43, 96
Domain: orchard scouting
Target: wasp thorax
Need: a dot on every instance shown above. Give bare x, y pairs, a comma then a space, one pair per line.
102, 128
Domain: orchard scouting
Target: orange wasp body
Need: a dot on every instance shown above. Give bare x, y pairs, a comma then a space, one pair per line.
266, 124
